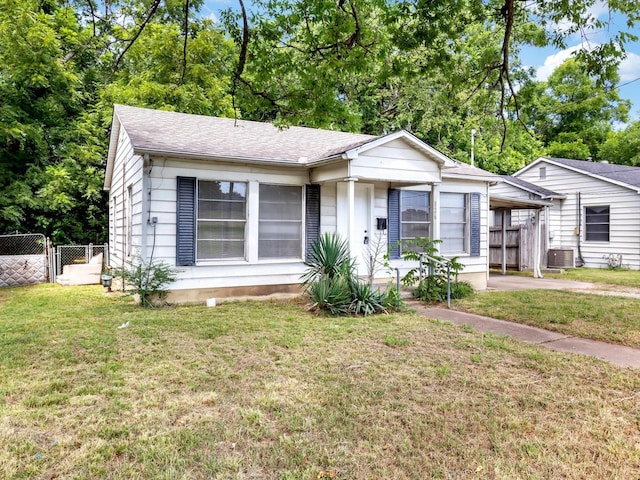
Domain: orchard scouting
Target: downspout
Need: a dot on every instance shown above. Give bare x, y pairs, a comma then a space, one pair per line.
580, 262
124, 215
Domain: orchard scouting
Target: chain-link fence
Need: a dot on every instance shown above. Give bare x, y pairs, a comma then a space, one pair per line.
73, 254
23, 259
28, 259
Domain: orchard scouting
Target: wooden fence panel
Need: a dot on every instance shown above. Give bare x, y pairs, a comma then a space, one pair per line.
520, 242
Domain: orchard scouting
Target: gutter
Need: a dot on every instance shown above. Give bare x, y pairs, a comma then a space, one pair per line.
201, 157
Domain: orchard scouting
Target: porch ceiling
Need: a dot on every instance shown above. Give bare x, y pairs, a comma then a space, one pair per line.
496, 202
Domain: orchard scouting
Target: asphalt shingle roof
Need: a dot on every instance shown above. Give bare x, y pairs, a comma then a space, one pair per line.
618, 173
198, 135
543, 192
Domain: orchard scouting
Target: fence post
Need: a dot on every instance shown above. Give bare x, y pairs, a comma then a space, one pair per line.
107, 260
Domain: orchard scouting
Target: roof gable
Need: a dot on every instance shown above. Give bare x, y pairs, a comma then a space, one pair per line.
621, 175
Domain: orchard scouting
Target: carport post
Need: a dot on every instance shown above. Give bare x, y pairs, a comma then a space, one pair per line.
503, 212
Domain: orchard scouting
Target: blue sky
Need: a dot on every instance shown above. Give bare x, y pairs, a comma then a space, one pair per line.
544, 60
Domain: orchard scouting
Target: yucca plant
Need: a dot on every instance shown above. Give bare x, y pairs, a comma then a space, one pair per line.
330, 294
329, 258
333, 284
365, 300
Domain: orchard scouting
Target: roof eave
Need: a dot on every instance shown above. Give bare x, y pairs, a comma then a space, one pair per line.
217, 158
478, 178
111, 154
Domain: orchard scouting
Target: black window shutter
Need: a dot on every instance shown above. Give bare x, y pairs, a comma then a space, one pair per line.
475, 224
394, 222
312, 217
186, 221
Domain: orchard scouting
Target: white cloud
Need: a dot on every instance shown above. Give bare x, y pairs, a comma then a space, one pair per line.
630, 67
553, 61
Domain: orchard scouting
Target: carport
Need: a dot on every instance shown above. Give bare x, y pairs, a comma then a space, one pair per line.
500, 205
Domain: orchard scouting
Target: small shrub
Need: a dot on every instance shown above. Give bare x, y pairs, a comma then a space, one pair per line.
461, 290
333, 284
365, 299
435, 268
330, 294
147, 279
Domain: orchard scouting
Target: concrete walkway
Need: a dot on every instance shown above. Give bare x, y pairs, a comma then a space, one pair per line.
616, 354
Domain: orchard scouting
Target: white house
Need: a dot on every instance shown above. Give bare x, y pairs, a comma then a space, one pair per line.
594, 220
235, 205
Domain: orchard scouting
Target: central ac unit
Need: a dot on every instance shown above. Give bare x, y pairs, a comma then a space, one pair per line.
561, 258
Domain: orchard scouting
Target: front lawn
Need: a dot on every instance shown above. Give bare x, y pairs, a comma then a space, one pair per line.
608, 318
270, 391
603, 276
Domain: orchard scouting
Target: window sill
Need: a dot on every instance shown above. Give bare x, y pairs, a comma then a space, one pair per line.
235, 263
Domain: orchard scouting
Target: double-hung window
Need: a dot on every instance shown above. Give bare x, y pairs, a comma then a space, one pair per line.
415, 216
596, 224
221, 220
453, 223
280, 222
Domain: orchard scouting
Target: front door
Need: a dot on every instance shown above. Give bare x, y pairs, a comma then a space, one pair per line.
363, 237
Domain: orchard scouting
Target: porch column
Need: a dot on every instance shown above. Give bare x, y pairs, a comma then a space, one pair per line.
536, 246
503, 212
351, 216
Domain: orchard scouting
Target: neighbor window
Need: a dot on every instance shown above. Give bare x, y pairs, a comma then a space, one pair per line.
280, 218
453, 223
415, 216
596, 224
221, 220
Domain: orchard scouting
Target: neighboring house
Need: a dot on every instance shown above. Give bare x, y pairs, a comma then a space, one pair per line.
236, 205
595, 217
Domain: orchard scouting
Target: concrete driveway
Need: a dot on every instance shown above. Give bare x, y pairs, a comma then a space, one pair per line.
517, 282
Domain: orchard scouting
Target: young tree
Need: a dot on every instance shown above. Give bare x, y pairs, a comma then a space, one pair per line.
572, 111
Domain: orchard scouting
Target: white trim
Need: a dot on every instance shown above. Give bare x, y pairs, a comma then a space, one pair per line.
436, 155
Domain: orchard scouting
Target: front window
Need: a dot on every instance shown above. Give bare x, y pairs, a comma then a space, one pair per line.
222, 218
596, 224
415, 216
280, 228
453, 222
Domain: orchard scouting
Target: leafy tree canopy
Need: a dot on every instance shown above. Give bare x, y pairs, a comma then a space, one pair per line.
438, 68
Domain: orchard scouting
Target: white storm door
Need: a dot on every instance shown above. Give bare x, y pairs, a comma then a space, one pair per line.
362, 227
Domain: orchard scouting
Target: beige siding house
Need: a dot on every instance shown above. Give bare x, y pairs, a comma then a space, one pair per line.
235, 205
595, 212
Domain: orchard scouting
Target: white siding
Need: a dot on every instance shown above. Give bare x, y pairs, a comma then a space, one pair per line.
395, 161
328, 211
154, 210
624, 206
127, 172
251, 271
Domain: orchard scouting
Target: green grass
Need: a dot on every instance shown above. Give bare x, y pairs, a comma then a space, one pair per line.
608, 318
621, 277
604, 276
271, 391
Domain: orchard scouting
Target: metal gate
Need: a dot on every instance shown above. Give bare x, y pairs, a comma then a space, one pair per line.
70, 254
23, 259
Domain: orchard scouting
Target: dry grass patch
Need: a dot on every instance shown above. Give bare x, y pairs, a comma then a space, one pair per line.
267, 390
